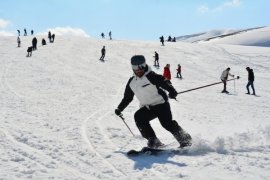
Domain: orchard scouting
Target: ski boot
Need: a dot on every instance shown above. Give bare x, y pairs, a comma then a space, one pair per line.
183, 138
154, 143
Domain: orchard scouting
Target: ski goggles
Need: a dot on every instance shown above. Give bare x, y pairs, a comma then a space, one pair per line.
138, 67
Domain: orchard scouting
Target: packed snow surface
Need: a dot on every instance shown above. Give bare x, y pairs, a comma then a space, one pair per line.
57, 111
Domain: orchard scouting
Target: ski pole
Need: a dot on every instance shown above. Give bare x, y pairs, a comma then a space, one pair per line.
206, 86
121, 116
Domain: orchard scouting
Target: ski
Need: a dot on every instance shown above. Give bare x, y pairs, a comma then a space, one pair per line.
158, 151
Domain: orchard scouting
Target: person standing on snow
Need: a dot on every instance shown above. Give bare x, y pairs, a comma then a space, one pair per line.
110, 35
224, 78
53, 36
156, 62
25, 32
34, 43
50, 36
149, 88
162, 40
167, 73
103, 51
250, 80
102, 35
178, 74
19, 41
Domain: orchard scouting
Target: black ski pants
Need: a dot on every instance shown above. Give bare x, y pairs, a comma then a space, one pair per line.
225, 85
161, 111
102, 57
250, 83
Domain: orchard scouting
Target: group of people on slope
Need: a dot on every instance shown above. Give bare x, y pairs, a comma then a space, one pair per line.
226, 73
170, 39
34, 43
167, 72
103, 35
25, 32
149, 88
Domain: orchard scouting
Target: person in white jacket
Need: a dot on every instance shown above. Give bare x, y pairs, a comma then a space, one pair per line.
224, 78
149, 88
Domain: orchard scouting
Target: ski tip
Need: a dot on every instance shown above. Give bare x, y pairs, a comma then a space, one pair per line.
132, 153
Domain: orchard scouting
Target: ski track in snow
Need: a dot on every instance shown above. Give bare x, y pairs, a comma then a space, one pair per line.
90, 144
37, 157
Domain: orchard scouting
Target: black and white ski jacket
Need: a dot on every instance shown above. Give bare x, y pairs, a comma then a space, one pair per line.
149, 89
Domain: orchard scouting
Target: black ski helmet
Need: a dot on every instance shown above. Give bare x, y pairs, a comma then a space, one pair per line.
138, 62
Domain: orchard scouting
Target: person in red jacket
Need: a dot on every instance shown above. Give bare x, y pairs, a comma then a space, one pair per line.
167, 73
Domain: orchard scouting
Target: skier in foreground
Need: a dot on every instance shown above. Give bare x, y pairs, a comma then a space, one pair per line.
149, 88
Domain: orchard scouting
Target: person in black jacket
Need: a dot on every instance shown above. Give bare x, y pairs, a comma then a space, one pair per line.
43, 42
156, 62
34, 43
53, 36
250, 80
162, 40
19, 41
149, 88
29, 51
103, 51
50, 36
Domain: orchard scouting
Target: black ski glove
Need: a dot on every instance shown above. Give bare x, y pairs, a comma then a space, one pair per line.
117, 112
172, 95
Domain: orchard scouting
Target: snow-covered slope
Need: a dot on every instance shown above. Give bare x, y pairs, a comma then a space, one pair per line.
255, 37
205, 35
259, 36
57, 112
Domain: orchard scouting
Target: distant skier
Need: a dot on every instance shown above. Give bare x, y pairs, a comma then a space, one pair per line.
25, 32
149, 88
167, 73
32, 32
19, 41
102, 35
103, 52
174, 39
53, 36
43, 42
179, 69
224, 78
250, 80
156, 62
34, 43
162, 40
50, 36
169, 39
29, 51
19, 32
110, 35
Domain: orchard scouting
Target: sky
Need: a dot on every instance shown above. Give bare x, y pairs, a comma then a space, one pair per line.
131, 19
